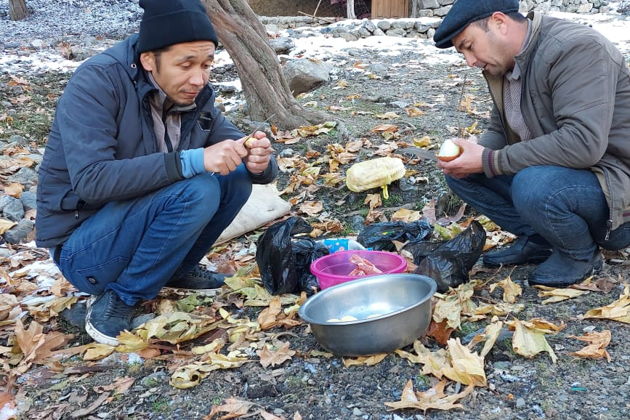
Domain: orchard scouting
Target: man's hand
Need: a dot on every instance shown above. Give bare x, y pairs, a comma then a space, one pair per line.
469, 162
225, 156
259, 155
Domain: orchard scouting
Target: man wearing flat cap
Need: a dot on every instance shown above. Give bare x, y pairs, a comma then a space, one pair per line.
142, 173
553, 166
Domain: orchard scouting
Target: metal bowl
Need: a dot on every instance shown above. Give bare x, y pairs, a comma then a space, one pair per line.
391, 311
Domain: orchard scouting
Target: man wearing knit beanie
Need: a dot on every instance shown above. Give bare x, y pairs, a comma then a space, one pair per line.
553, 167
142, 172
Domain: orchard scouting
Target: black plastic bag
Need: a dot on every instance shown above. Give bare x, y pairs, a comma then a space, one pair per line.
379, 236
284, 261
448, 263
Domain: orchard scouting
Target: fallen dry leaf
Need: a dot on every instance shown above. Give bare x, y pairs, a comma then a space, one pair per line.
96, 404
466, 366
558, 295
433, 398
364, 360
311, 208
269, 357
34, 344
598, 341
405, 215
387, 116
233, 407
440, 331
14, 189
97, 351
5, 225
412, 111
511, 290
618, 310
529, 340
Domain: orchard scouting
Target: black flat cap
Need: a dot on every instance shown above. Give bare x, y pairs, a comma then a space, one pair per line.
465, 12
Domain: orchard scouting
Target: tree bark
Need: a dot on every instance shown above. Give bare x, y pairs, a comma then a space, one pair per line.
266, 90
350, 9
17, 9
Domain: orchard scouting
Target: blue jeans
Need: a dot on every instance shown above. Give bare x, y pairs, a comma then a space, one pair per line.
136, 246
565, 206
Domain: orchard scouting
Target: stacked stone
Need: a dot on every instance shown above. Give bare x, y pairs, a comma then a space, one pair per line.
17, 209
407, 28
439, 8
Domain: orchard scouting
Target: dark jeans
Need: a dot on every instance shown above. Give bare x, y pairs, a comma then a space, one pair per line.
135, 247
567, 207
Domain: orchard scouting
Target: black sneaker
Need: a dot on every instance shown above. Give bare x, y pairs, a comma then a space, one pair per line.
198, 278
107, 316
522, 251
561, 271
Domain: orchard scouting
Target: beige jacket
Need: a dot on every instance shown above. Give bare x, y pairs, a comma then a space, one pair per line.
576, 103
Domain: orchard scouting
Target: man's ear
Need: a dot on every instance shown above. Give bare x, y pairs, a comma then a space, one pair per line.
499, 20
147, 59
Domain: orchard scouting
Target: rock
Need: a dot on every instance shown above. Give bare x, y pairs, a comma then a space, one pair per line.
624, 8
288, 152
378, 32
364, 32
29, 199
141, 319
429, 4
442, 11
25, 176
421, 27
13, 210
357, 223
154, 379
282, 45
584, 8
20, 232
6, 252
5, 200
356, 412
378, 68
19, 140
369, 25
396, 32
520, 402
304, 75
272, 28
349, 36
383, 25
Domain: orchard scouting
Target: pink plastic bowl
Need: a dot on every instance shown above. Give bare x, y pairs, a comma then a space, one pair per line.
335, 268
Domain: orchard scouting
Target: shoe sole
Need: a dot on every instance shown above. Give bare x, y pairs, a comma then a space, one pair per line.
96, 335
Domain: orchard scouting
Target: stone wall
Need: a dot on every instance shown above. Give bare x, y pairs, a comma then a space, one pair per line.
439, 8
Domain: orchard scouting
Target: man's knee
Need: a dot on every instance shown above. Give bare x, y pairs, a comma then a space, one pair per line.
531, 188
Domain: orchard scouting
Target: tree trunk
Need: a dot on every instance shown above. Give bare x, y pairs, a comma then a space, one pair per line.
17, 9
350, 9
266, 90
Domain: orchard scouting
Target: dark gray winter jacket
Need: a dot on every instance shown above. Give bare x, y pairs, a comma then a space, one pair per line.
576, 103
102, 146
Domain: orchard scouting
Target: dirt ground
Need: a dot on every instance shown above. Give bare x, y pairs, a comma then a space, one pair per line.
320, 387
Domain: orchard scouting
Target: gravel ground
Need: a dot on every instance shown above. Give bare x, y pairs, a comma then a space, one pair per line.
318, 387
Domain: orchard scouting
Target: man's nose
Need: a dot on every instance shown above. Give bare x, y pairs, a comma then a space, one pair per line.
198, 78
470, 59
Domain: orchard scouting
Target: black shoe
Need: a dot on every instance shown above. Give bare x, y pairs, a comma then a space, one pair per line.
107, 316
522, 251
562, 271
198, 278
